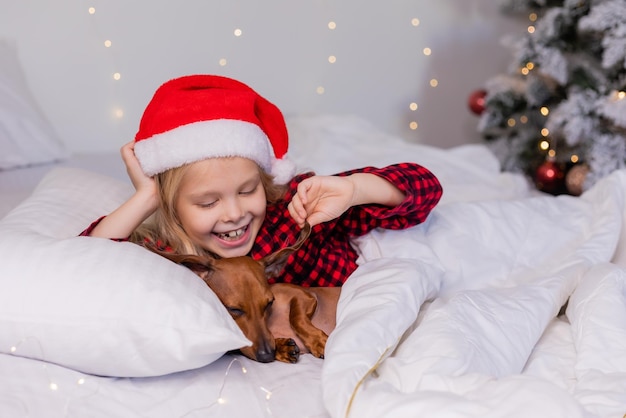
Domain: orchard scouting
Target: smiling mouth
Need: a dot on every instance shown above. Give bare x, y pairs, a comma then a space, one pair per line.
232, 235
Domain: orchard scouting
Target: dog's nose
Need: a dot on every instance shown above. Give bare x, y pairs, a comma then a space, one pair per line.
265, 355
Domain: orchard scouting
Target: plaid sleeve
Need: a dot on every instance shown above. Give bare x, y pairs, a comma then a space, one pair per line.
422, 193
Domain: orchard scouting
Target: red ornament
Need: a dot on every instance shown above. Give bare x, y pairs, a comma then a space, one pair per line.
549, 177
476, 101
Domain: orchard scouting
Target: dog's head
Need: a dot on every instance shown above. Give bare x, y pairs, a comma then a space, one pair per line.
241, 285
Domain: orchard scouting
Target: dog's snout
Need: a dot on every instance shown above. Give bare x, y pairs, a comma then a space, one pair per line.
265, 354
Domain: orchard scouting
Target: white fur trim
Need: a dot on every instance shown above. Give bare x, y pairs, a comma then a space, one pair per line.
283, 170
201, 140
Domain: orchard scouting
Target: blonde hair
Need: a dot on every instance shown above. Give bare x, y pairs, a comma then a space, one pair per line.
163, 228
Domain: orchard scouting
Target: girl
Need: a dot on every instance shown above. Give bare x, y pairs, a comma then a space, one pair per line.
210, 170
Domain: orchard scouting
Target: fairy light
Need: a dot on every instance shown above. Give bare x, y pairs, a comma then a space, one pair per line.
532, 17
531, 29
545, 132
332, 25
525, 71
544, 111
413, 125
237, 32
530, 65
332, 59
552, 153
621, 95
427, 51
413, 106
91, 10
107, 44
415, 22
116, 76
319, 90
434, 82
574, 158
222, 62
544, 145
523, 119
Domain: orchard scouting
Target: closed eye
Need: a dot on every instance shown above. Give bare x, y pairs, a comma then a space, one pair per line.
235, 312
269, 305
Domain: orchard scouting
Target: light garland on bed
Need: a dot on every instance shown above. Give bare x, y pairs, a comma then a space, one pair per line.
83, 382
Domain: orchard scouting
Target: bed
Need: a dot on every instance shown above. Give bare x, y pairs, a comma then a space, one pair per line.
462, 315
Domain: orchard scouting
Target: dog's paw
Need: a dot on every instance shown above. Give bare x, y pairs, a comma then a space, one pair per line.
317, 349
287, 350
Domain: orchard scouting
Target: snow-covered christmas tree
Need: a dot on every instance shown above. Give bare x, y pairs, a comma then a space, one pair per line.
559, 115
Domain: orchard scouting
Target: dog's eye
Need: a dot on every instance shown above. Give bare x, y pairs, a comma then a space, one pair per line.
235, 312
269, 304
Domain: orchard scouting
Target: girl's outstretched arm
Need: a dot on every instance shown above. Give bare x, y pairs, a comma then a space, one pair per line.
323, 198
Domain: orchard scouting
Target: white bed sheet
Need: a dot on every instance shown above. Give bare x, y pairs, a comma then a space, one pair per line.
456, 317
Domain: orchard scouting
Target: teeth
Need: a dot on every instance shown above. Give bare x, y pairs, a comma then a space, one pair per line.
232, 234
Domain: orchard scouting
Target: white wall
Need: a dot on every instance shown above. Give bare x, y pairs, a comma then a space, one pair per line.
282, 53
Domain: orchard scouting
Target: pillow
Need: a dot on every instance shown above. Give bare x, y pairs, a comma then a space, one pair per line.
26, 136
95, 305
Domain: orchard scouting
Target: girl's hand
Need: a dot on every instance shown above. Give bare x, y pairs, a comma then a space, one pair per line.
321, 198
141, 182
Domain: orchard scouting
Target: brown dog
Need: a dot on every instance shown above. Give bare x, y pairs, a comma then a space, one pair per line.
281, 320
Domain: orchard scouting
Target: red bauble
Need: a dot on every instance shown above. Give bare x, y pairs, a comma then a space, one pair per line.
476, 101
549, 177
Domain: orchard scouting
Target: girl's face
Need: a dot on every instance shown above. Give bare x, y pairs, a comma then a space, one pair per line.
221, 204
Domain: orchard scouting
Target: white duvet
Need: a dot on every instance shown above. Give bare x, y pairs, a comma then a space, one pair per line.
456, 317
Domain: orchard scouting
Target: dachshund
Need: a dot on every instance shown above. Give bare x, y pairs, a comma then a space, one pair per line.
281, 320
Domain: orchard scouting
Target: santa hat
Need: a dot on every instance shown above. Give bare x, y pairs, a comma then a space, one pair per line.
196, 117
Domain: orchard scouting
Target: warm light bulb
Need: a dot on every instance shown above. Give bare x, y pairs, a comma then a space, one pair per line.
53, 386
434, 82
525, 71
332, 59
238, 32
320, 90
119, 113
532, 17
621, 95
413, 106
574, 158
552, 153
413, 125
427, 51
531, 29
523, 119
415, 21
332, 25
511, 122
544, 111
545, 132
92, 10
544, 145
222, 62
107, 43
117, 76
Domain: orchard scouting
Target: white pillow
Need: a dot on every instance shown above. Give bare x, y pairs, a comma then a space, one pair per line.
95, 305
26, 136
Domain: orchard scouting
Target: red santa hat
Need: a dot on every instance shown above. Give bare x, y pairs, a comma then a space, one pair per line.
196, 117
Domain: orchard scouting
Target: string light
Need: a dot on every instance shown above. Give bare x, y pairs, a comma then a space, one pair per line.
238, 32
531, 29
545, 132
415, 21
544, 111
427, 51
434, 82
332, 59
319, 90
332, 25
544, 145
413, 106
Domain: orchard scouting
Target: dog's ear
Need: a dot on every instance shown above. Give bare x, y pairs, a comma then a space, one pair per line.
202, 266
274, 263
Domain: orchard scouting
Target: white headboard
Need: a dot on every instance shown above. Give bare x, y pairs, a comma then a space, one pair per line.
284, 51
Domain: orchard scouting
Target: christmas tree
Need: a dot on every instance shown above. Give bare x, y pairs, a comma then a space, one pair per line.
559, 115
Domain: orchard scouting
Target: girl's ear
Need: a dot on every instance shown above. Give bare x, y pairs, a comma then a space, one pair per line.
274, 263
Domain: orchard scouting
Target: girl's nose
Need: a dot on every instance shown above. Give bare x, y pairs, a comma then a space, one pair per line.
232, 210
